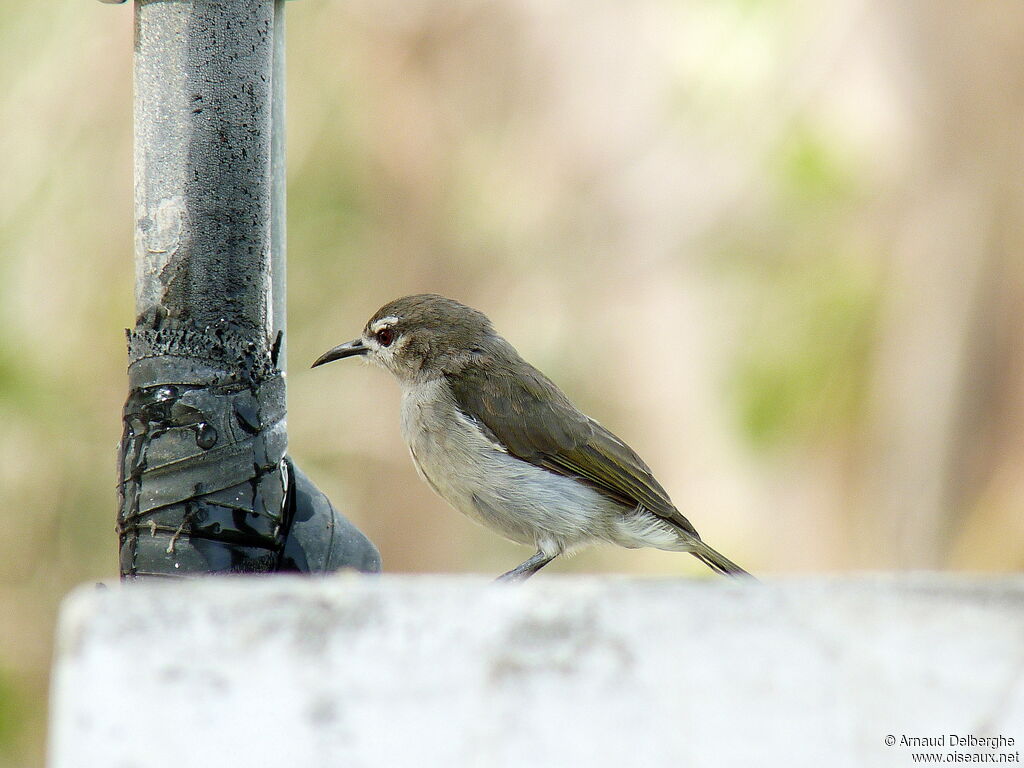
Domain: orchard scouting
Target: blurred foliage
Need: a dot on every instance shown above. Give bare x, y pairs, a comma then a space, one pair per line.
12, 716
802, 371
810, 170
804, 376
774, 246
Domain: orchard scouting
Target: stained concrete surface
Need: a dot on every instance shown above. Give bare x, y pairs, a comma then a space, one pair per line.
457, 671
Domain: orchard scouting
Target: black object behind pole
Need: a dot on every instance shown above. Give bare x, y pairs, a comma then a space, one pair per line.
205, 485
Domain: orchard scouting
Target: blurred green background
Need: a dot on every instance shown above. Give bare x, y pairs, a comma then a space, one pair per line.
776, 246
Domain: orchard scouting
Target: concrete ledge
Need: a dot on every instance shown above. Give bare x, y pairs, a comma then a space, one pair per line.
448, 671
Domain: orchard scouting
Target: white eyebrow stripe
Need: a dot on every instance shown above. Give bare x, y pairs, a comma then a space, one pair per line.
389, 320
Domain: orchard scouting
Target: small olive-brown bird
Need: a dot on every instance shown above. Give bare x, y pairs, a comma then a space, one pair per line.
503, 445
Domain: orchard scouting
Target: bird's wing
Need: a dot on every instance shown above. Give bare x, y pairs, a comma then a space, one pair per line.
531, 417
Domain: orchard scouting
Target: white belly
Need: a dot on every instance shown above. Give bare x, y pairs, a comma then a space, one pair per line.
525, 503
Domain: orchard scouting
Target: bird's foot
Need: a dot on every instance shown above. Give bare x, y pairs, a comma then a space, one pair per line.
523, 571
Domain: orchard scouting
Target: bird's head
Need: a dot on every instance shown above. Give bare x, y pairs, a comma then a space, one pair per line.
418, 338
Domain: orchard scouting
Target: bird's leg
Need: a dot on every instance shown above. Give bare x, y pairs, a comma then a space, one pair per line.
525, 570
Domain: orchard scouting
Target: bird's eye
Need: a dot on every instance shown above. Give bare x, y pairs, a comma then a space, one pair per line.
385, 336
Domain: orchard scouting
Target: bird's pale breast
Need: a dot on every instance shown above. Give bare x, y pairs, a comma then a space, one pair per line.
524, 502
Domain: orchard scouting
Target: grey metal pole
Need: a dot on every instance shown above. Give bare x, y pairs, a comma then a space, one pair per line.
205, 483
278, 207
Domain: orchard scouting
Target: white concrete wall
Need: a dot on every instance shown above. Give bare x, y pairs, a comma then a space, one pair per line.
453, 671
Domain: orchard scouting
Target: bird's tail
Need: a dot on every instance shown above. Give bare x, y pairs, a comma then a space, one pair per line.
716, 561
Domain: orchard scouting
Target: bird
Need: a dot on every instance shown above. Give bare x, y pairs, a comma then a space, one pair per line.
505, 446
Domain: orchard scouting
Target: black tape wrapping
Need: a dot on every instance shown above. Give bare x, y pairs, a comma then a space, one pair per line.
203, 480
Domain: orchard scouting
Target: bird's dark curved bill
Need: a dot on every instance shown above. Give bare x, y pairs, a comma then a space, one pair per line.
348, 349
